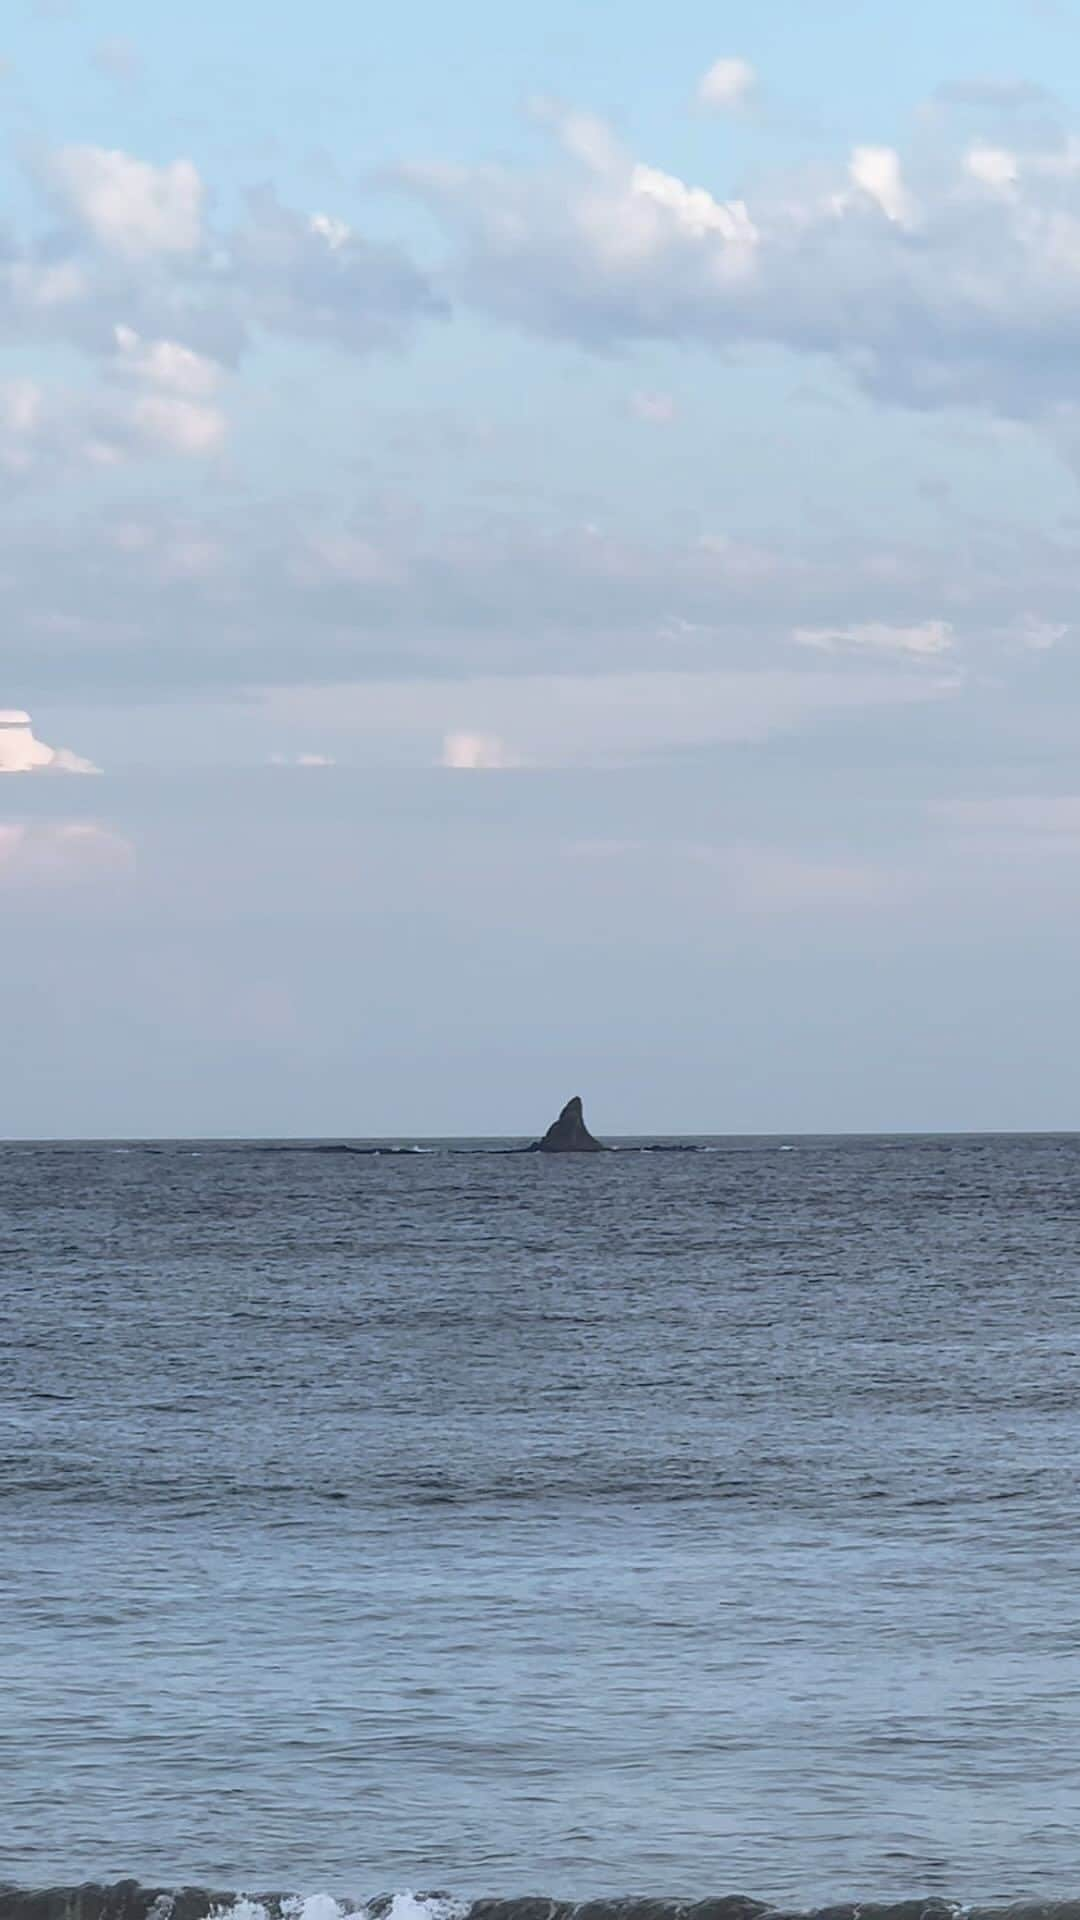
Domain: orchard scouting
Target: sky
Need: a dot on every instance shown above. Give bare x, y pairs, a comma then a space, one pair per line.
539, 555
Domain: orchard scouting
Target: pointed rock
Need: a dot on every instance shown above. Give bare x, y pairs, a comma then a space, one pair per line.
568, 1134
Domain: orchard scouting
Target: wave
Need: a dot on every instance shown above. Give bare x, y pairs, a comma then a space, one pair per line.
394, 1151
370, 1153
128, 1900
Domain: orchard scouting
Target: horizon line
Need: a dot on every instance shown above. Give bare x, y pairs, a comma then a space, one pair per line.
441, 1139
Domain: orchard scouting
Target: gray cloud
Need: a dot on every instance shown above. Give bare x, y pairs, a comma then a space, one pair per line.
999, 96
950, 278
132, 243
313, 276
238, 595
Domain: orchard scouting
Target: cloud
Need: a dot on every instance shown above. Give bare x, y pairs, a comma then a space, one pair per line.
310, 275
993, 167
46, 431
167, 364
239, 591
343, 556
758, 879
686, 212
924, 642
473, 752
178, 425
657, 408
947, 277
134, 248
128, 206
944, 275
613, 250
1040, 816
728, 83
999, 96
117, 59
1051, 13
572, 720
62, 852
20, 422
172, 411
876, 172
301, 760
1034, 635
20, 752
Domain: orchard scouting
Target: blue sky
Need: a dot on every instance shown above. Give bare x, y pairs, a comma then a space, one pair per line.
539, 553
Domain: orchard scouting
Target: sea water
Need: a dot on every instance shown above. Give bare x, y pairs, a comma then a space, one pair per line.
674, 1523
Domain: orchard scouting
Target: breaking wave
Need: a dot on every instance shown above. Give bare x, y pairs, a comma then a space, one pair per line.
127, 1900
393, 1150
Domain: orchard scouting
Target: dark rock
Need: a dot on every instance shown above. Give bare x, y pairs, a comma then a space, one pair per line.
127, 1900
568, 1134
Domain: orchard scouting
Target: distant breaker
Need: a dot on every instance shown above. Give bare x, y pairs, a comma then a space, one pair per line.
568, 1134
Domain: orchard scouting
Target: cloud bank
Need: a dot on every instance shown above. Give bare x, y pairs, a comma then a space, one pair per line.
947, 276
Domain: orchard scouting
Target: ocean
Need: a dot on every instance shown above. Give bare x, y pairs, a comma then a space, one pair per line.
677, 1524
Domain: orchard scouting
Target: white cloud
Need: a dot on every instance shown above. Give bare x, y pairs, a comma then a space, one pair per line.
167, 364
588, 138
337, 233
993, 167
179, 426
926, 641
694, 212
949, 279
475, 751
41, 289
658, 408
61, 853
45, 431
20, 406
301, 760
20, 752
728, 83
129, 206
135, 246
1035, 635
172, 412
876, 172
625, 235
1061, 162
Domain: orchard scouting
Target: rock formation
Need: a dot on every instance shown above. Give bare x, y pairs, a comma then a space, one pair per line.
568, 1134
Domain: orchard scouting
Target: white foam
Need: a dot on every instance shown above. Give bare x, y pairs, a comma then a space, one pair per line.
323, 1906
320, 1906
240, 1910
408, 1906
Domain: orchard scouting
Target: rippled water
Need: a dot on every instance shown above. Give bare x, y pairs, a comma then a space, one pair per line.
671, 1523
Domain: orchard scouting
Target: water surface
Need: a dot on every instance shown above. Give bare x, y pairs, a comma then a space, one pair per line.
673, 1523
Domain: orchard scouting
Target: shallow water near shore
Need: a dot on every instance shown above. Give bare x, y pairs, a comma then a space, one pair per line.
672, 1523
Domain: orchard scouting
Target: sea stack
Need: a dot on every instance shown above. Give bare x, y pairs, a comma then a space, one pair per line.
568, 1134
